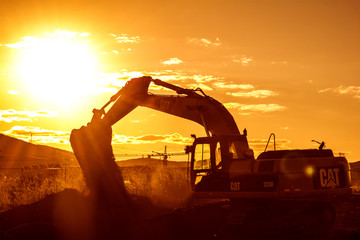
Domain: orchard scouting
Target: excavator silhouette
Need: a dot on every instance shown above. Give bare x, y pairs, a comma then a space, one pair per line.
288, 189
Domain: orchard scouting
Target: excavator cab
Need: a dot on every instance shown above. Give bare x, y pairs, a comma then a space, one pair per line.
214, 160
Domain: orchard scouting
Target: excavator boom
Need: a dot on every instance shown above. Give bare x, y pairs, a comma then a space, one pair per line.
187, 103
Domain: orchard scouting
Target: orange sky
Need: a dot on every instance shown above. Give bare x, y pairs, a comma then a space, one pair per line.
288, 67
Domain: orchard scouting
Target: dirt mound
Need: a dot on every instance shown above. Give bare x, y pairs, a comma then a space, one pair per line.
70, 215
65, 215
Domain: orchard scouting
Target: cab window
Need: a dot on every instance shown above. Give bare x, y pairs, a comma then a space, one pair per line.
235, 149
218, 156
202, 156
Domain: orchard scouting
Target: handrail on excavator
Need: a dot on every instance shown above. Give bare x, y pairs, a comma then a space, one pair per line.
272, 134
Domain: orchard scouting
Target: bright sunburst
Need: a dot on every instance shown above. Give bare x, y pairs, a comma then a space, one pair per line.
60, 67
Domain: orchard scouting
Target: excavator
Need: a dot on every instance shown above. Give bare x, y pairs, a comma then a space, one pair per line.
281, 189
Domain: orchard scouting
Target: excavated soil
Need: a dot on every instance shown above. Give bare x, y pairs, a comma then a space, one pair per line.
71, 215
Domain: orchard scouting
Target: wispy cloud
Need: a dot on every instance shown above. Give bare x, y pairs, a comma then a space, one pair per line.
245, 109
46, 136
258, 145
174, 138
113, 81
279, 62
326, 90
68, 34
171, 75
13, 92
29, 41
342, 90
224, 85
26, 42
38, 135
202, 86
244, 60
124, 38
254, 94
172, 61
116, 51
12, 115
190, 81
203, 42
204, 78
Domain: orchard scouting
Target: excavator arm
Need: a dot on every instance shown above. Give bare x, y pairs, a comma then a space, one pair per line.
187, 103
92, 143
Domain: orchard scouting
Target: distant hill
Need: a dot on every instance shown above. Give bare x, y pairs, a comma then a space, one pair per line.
151, 162
355, 165
16, 153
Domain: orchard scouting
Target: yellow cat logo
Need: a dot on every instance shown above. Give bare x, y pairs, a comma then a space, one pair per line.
329, 177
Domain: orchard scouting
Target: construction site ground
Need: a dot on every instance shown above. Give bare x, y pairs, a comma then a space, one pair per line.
71, 215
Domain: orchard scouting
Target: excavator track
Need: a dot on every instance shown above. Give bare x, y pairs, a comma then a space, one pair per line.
347, 225
332, 220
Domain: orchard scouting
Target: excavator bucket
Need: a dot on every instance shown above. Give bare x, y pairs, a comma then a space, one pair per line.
92, 147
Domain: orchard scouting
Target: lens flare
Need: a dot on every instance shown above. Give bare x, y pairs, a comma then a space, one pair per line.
309, 171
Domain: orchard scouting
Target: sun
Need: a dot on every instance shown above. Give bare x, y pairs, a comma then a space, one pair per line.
60, 67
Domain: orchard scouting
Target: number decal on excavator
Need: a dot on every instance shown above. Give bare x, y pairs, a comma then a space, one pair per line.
165, 104
235, 186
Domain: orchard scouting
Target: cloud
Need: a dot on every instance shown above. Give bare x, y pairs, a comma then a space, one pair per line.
12, 115
39, 135
258, 145
46, 136
245, 109
243, 60
200, 85
113, 81
172, 61
232, 105
199, 80
29, 41
171, 75
342, 90
116, 51
325, 90
203, 42
204, 78
254, 94
13, 92
26, 42
224, 85
279, 63
246, 90
68, 34
174, 138
124, 38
